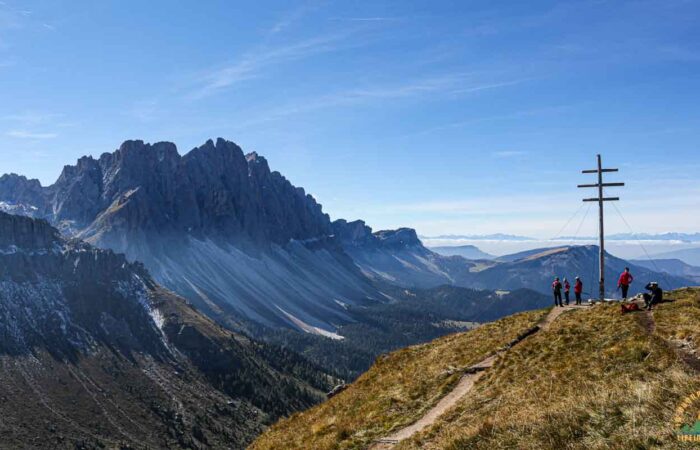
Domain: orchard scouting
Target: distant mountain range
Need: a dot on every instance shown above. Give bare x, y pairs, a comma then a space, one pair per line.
403, 260
535, 269
465, 251
689, 255
682, 237
671, 266
480, 237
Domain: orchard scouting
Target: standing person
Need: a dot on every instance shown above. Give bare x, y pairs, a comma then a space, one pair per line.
556, 289
567, 289
656, 296
578, 289
624, 282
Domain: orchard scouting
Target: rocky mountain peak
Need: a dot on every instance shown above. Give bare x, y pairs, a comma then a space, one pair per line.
358, 234
18, 232
15, 179
400, 238
258, 166
20, 189
215, 190
355, 233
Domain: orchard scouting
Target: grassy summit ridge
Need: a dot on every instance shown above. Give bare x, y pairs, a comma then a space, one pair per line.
396, 391
595, 379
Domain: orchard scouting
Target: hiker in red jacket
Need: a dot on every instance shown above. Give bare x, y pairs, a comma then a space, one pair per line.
578, 289
624, 282
567, 288
556, 290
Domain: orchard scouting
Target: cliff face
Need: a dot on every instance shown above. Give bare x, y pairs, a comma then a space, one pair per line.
18, 233
68, 294
399, 257
127, 351
214, 189
215, 225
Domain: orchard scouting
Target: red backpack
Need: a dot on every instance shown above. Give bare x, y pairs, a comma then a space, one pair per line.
629, 307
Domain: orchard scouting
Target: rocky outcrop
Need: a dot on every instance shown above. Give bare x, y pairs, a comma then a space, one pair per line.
399, 257
399, 239
70, 295
357, 234
354, 234
18, 232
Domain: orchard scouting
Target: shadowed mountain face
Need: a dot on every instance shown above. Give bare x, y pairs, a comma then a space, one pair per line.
95, 353
214, 190
688, 255
215, 225
399, 257
671, 266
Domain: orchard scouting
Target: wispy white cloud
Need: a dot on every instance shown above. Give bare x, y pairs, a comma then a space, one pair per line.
508, 153
506, 116
11, 17
487, 86
32, 117
450, 84
368, 19
24, 134
290, 18
251, 64
32, 125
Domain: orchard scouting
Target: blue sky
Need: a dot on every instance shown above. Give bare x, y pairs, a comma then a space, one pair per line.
451, 117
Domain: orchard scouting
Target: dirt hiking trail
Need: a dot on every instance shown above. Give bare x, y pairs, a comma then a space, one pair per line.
466, 383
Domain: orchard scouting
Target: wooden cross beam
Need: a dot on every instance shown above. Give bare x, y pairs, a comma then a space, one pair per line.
601, 200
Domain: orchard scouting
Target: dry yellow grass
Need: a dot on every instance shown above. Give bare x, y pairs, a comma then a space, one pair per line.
680, 320
396, 391
595, 380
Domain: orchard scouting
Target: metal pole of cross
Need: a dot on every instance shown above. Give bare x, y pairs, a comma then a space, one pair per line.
601, 199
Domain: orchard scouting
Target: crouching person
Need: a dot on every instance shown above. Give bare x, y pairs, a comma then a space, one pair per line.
655, 295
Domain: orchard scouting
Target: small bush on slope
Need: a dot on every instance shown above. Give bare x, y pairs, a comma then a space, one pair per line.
595, 380
396, 391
